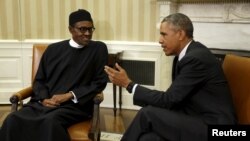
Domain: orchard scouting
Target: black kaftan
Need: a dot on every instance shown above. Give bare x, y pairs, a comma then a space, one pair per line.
62, 69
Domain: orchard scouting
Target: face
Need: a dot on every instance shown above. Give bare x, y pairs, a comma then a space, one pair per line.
170, 39
82, 32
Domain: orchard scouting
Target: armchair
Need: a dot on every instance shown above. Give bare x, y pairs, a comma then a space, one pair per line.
236, 69
84, 131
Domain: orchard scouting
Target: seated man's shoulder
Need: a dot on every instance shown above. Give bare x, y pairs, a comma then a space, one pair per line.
99, 43
60, 43
58, 46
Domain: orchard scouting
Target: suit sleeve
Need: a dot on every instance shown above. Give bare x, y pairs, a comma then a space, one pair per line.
191, 76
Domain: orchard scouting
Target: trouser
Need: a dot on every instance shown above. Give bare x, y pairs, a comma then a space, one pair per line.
165, 125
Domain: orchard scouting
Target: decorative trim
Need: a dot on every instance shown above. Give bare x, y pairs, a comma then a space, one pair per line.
205, 1
237, 13
216, 11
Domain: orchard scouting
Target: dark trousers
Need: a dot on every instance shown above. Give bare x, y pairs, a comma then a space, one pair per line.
158, 124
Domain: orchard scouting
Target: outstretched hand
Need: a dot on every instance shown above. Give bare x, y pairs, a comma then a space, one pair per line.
119, 76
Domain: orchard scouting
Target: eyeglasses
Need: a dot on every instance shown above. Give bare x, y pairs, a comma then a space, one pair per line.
84, 29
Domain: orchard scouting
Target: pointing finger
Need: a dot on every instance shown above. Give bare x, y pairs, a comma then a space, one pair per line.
118, 67
109, 70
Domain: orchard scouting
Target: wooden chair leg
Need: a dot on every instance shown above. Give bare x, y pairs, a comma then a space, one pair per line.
114, 98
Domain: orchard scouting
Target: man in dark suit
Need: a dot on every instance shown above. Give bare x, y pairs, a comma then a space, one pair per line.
198, 96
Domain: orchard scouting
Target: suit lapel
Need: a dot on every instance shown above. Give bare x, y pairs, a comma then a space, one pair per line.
175, 69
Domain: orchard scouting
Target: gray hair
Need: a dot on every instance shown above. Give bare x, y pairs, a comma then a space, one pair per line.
180, 22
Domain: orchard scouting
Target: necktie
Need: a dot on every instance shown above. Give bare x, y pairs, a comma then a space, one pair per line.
175, 67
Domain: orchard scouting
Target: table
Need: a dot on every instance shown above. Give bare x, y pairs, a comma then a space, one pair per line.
115, 58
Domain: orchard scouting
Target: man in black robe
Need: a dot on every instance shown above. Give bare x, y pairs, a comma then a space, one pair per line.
69, 76
198, 96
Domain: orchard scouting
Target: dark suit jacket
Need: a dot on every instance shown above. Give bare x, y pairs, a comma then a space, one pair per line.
199, 89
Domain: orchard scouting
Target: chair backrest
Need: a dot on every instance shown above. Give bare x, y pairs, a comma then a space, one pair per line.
38, 50
237, 72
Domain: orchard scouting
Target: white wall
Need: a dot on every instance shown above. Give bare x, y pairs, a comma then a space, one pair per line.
223, 35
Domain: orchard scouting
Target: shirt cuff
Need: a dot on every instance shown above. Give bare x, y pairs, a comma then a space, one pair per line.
134, 88
74, 99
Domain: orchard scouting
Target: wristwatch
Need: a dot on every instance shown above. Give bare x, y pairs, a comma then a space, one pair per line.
130, 87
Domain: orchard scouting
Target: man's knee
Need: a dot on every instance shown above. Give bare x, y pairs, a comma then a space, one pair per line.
146, 110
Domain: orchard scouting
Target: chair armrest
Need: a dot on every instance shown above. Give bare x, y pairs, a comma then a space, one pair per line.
19, 96
94, 132
98, 98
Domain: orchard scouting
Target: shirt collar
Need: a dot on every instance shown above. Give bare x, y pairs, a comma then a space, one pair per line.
183, 51
74, 44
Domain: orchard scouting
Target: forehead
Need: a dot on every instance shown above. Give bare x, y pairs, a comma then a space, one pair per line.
166, 26
84, 24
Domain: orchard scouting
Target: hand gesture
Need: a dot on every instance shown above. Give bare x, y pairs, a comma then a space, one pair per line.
119, 76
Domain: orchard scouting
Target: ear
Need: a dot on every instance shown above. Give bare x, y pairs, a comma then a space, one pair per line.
182, 34
70, 29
